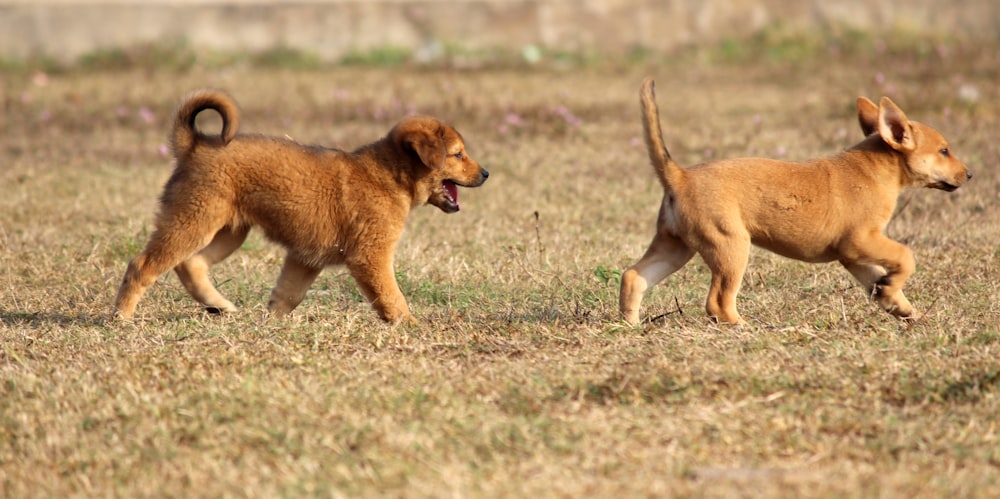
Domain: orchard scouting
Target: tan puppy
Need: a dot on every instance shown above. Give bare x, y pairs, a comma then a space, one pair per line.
325, 206
832, 208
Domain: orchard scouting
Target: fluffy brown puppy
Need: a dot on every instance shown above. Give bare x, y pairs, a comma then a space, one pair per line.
325, 206
834, 208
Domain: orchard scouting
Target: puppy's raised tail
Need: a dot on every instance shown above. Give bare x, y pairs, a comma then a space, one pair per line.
667, 170
186, 136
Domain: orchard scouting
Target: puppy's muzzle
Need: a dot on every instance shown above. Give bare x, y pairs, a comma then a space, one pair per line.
485, 174
949, 186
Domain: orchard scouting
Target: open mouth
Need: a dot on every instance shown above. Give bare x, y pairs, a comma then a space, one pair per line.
451, 196
945, 186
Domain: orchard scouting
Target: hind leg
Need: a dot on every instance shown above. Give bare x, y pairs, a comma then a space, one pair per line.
183, 228
167, 247
728, 261
664, 256
193, 272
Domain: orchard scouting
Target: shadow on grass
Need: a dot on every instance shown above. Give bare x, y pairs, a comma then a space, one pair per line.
38, 320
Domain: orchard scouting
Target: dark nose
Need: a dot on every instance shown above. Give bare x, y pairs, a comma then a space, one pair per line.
486, 173
968, 175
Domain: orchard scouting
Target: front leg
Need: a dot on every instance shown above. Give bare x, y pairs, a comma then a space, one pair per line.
882, 266
872, 278
377, 281
292, 285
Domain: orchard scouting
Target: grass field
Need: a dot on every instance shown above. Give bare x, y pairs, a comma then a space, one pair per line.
520, 379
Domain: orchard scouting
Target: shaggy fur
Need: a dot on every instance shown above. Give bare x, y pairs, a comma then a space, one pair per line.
325, 206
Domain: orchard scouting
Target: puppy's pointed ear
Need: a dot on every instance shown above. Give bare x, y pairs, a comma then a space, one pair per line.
894, 127
423, 138
867, 116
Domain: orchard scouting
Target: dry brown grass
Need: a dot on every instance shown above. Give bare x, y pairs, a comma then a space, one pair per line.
520, 381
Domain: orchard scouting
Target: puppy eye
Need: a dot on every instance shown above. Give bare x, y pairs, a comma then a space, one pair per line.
459, 155
945, 152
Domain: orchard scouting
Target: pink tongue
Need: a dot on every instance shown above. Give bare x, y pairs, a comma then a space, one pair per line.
452, 190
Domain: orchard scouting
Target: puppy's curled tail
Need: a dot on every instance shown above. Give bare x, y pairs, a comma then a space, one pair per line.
667, 170
185, 136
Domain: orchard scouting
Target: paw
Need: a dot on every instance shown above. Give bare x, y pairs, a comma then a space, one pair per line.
905, 312
120, 317
405, 320
897, 305
226, 308
631, 317
732, 320
396, 315
277, 308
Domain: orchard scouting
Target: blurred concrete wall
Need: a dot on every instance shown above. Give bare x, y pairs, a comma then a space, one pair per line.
65, 29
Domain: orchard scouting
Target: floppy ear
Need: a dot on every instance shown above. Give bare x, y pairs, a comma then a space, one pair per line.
867, 116
425, 140
893, 126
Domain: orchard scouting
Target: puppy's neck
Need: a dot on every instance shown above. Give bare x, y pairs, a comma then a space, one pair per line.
375, 159
874, 157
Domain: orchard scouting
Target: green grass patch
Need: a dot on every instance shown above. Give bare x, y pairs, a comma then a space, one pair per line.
378, 57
